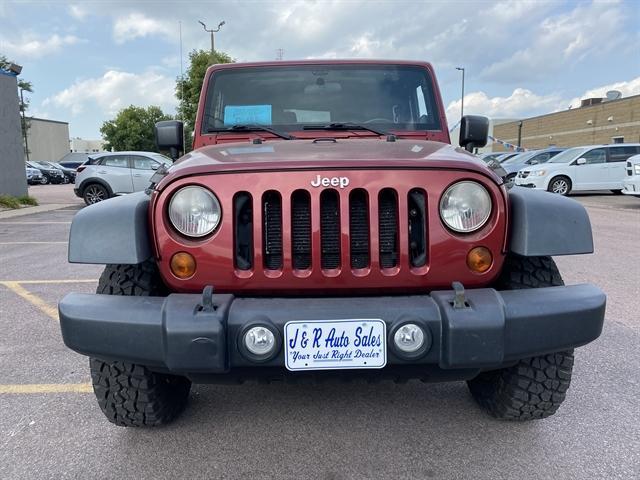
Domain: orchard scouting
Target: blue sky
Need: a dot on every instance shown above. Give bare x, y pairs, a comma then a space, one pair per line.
87, 59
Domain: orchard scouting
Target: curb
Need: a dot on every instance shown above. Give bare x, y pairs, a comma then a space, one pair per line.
19, 212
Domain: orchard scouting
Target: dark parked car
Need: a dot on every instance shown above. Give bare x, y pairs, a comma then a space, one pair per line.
49, 173
69, 173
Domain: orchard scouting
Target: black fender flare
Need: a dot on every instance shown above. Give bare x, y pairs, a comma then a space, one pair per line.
88, 181
546, 224
112, 231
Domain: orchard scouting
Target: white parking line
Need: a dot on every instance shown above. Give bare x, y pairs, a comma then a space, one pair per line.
33, 243
34, 223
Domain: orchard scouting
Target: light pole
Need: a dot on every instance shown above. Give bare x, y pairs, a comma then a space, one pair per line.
24, 125
462, 106
211, 31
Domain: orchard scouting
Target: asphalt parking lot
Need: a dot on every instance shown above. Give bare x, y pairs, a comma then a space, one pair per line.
51, 426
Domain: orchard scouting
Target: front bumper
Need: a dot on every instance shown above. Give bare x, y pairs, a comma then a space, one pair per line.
532, 182
176, 334
631, 186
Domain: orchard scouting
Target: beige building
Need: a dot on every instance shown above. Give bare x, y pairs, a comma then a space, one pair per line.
596, 121
48, 139
78, 144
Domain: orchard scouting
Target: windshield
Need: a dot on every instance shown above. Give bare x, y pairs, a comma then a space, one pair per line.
162, 159
522, 157
389, 97
569, 155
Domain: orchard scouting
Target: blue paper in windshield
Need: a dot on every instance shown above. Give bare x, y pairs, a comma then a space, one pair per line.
247, 114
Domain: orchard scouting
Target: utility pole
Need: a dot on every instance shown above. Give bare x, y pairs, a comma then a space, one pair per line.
24, 125
462, 106
211, 31
519, 134
280, 54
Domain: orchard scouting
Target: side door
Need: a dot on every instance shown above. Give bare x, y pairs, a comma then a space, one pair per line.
616, 161
593, 174
142, 170
115, 170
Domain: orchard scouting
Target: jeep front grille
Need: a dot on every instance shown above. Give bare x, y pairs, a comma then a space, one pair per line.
341, 242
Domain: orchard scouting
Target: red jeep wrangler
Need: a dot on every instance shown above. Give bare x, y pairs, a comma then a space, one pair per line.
323, 225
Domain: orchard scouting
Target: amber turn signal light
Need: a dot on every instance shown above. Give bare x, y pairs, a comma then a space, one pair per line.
183, 265
479, 259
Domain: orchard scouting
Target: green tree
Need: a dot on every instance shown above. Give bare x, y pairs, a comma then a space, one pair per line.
23, 102
188, 88
132, 129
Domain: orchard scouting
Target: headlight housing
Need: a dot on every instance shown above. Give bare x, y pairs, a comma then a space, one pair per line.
636, 169
194, 211
465, 206
538, 173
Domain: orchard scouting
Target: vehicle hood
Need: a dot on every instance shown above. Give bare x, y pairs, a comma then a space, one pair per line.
326, 154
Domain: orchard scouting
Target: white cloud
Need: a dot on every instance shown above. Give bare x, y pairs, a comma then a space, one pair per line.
136, 25
79, 12
521, 103
116, 90
561, 41
30, 46
627, 88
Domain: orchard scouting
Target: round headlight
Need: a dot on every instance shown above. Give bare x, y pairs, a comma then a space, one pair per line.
465, 206
194, 211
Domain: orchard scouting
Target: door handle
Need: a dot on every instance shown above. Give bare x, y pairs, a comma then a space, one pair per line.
102, 171
137, 175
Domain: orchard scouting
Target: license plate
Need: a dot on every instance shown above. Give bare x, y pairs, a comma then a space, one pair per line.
335, 344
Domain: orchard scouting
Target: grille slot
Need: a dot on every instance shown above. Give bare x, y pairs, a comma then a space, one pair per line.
388, 228
301, 229
243, 231
330, 229
359, 228
272, 230
417, 227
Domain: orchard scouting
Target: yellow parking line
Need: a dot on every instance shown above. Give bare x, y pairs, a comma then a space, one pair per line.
47, 388
43, 306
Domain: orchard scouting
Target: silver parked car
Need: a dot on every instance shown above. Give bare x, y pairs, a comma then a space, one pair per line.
109, 174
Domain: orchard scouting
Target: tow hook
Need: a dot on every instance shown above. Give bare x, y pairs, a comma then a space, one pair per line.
207, 300
459, 300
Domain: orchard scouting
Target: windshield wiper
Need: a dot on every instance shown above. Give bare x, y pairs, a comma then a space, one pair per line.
345, 126
250, 127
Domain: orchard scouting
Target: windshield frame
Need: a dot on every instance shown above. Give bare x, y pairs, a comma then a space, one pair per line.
437, 131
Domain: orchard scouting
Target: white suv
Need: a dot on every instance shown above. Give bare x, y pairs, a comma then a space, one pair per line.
631, 183
115, 173
594, 167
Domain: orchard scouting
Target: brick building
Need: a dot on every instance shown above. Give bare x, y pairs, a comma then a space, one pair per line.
596, 121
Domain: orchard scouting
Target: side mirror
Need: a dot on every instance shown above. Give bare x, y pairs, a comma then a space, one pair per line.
474, 132
581, 161
533, 162
169, 137
154, 166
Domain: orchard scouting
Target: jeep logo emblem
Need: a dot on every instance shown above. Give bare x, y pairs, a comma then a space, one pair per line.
330, 182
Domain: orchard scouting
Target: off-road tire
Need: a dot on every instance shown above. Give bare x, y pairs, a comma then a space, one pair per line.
141, 280
132, 395
534, 387
560, 178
